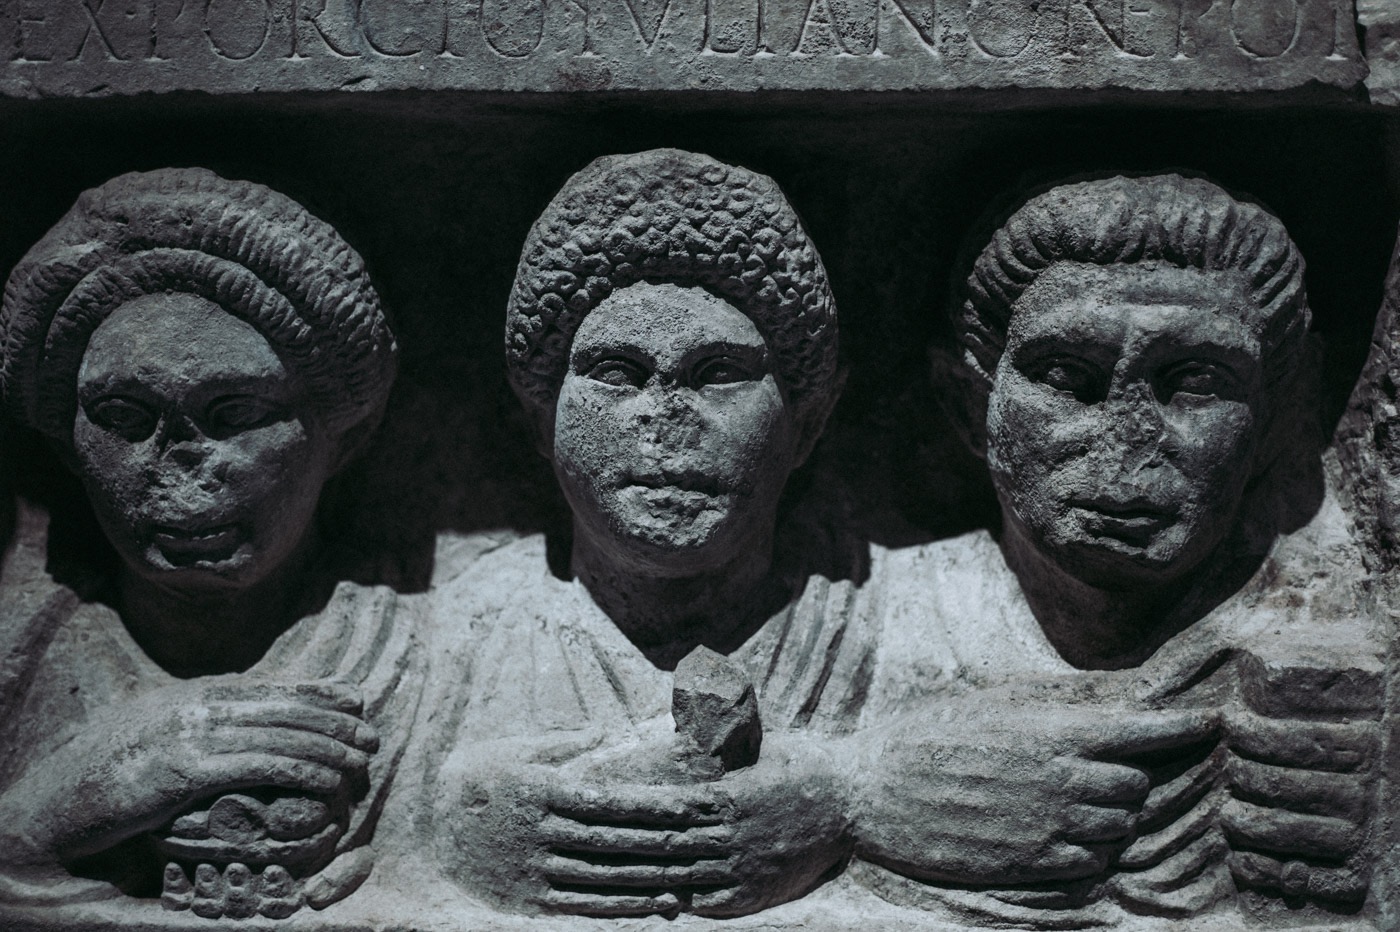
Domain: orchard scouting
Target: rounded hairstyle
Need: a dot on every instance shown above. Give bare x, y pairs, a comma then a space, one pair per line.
667, 216
257, 254
1168, 219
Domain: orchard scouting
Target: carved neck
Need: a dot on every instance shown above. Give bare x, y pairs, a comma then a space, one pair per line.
1092, 628
667, 617
211, 631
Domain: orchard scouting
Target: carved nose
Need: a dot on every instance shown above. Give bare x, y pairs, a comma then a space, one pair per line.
187, 454
1134, 418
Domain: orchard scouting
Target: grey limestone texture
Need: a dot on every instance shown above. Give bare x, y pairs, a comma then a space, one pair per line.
970, 499
80, 47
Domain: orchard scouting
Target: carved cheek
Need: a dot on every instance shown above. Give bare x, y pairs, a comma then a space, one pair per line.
749, 429
1032, 429
1212, 446
116, 472
597, 436
272, 472
593, 424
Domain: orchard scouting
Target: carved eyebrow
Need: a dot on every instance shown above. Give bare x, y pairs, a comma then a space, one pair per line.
1059, 344
750, 353
586, 355
111, 381
245, 383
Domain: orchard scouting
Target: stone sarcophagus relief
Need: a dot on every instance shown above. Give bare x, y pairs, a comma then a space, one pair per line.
203, 724
941, 471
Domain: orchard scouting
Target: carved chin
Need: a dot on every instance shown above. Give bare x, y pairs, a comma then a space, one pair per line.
1111, 561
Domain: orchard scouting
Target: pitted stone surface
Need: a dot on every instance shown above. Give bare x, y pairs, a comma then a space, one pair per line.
1148, 684
73, 48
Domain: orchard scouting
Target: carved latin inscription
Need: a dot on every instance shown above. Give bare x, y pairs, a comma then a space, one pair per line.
736, 44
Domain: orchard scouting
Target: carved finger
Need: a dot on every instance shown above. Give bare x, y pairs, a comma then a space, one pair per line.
1342, 796
340, 726
596, 904
1166, 803
563, 836
723, 903
572, 872
1294, 878
1307, 745
1153, 848
1068, 862
1099, 782
1129, 734
227, 773
299, 745
327, 694
340, 878
1281, 832
643, 806
1095, 824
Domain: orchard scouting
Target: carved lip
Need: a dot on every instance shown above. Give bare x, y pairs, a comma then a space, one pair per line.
1134, 521
684, 480
190, 545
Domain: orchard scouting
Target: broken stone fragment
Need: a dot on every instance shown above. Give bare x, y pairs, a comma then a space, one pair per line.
714, 706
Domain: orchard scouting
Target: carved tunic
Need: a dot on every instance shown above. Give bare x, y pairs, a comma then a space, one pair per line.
530, 654
68, 660
954, 622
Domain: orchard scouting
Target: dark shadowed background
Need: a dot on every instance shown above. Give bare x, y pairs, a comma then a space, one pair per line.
438, 190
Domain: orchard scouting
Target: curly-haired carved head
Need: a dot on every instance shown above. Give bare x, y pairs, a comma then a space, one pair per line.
673, 330
1128, 338
672, 217
207, 353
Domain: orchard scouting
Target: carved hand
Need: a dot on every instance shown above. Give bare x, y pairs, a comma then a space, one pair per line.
629, 832
754, 838
1013, 794
1300, 805
137, 767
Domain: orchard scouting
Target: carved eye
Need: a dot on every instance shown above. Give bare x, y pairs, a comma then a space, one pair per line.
1072, 377
1197, 379
619, 372
124, 416
721, 371
240, 412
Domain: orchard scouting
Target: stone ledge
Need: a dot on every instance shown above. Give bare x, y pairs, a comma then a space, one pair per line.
79, 48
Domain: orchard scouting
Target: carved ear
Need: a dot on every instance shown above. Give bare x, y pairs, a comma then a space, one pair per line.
813, 423
962, 394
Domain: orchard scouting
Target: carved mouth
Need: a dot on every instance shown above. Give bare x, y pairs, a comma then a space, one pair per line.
187, 546
680, 480
1133, 522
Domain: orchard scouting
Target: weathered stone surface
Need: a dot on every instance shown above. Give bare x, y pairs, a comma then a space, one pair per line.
714, 706
83, 48
1381, 22
207, 717
1157, 693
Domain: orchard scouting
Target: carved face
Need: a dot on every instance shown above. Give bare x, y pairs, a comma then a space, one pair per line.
200, 456
672, 436
1124, 417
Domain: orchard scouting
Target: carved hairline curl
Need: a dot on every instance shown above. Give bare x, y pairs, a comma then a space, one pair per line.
671, 217
255, 253
1184, 222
